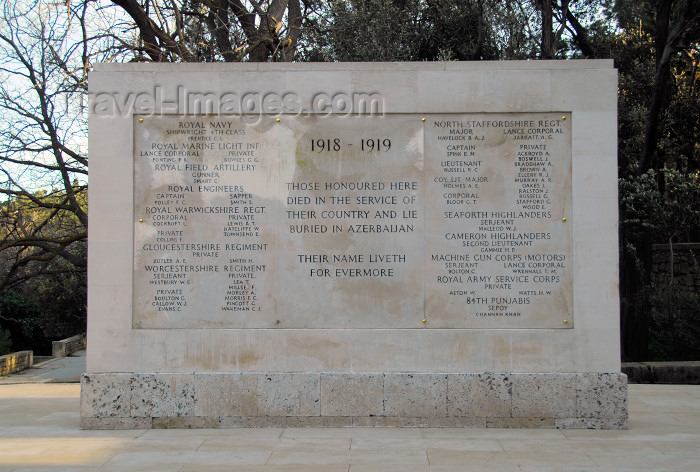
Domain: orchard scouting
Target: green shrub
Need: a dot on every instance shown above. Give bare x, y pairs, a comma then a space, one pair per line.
62, 303
658, 321
22, 318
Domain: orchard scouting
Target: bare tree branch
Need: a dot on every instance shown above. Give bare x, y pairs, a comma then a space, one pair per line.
43, 134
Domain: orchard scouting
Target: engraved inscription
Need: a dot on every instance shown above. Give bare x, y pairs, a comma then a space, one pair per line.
200, 251
347, 222
500, 254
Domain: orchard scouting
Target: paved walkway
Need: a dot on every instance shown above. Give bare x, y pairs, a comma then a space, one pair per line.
39, 431
59, 370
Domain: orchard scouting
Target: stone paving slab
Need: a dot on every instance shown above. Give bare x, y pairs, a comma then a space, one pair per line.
39, 431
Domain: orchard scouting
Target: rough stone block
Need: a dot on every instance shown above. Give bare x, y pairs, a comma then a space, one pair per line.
352, 394
602, 396
458, 422
105, 395
520, 423
391, 422
115, 423
544, 395
231, 400
289, 394
415, 395
314, 421
411, 422
591, 423
226, 394
479, 395
229, 422
189, 422
286, 422
162, 395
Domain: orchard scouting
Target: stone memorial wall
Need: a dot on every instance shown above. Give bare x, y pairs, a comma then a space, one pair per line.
396, 244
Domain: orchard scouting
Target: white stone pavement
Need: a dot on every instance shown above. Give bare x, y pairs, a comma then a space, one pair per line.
39, 431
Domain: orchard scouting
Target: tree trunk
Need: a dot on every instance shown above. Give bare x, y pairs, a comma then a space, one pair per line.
479, 54
547, 46
666, 37
581, 36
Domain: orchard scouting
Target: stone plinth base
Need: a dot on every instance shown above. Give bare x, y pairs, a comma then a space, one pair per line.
229, 400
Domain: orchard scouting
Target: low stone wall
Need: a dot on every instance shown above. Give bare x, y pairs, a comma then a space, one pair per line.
228, 400
686, 373
66, 347
686, 265
16, 361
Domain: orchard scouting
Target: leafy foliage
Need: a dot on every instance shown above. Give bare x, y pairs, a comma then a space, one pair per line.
657, 53
659, 207
376, 31
427, 30
634, 58
61, 300
48, 309
21, 317
665, 204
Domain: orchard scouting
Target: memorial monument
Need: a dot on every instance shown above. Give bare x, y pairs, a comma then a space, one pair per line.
370, 244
